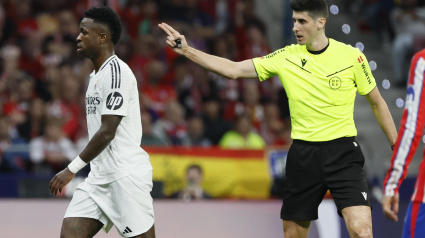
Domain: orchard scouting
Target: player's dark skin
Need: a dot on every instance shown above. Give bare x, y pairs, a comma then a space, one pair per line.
93, 43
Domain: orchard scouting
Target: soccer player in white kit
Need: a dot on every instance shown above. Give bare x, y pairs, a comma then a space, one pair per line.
117, 190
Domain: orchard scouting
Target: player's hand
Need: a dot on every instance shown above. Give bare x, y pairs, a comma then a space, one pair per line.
390, 206
174, 35
60, 180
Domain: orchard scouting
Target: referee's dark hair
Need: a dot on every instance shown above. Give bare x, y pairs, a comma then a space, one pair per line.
315, 8
107, 16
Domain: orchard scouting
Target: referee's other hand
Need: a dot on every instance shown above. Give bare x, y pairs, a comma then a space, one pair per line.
172, 37
390, 206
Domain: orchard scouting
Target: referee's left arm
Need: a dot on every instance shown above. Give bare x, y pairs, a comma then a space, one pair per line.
382, 114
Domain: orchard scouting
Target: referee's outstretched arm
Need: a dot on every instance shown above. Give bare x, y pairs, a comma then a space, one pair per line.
382, 114
221, 66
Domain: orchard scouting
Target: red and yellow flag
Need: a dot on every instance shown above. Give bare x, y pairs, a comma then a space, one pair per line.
227, 173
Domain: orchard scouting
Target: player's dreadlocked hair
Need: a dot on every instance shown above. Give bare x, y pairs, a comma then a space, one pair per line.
107, 16
315, 8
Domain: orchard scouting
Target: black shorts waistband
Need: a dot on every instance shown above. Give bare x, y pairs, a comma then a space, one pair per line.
342, 139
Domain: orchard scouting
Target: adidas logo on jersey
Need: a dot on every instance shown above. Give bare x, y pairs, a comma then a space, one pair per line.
364, 195
127, 230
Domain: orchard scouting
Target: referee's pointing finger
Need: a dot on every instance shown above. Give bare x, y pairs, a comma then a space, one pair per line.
163, 27
171, 29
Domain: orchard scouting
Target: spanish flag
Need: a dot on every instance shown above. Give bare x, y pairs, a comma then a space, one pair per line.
227, 173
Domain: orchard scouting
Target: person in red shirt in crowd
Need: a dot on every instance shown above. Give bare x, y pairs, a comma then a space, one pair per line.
250, 105
139, 17
158, 92
146, 49
284, 138
272, 124
251, 38
35, 121
27, 29
21, 13
172, 127
14, 116
13, 157
64, 104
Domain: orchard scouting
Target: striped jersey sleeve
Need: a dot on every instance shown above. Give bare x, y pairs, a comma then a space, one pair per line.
116, 89
411, 128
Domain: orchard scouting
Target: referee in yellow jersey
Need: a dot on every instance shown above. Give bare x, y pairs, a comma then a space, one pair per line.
321, 77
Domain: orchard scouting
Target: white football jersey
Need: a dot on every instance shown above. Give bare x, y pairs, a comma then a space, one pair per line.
113, 91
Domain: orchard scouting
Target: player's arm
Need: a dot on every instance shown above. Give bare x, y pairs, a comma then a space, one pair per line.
102, 138
409, 136
96, 145
382, 114
221, 66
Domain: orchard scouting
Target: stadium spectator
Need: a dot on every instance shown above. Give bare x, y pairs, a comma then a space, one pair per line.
195, 133
148, 138
66, 106
250, 105
251, 32
35, 121
172, 127
284, 138
15, 116
242, 137
158, 92
14, 151
198, 85
215, 126
272, 125
409, 24
193, 189
53, 151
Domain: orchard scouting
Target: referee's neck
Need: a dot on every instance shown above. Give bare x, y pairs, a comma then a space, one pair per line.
319, 43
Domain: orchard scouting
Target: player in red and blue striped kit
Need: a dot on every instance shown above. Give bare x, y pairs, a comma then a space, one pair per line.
412, 125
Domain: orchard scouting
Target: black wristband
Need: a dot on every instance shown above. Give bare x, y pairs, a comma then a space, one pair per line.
392, 147
179, 43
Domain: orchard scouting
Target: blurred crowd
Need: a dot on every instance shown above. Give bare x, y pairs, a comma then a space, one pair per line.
43, 80
399, 25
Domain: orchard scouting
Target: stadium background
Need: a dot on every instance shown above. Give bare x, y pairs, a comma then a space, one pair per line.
187, 113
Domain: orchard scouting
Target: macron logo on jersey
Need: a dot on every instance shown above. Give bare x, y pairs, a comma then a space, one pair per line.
114, 101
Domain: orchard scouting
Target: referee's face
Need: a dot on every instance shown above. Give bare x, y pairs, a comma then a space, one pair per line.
305, 28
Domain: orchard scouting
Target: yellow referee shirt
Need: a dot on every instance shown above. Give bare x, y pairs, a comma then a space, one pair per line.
321, 88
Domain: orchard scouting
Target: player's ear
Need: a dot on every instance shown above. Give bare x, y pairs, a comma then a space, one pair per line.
103, 37
321, 22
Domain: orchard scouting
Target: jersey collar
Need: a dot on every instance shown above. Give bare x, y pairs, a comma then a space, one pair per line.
319, 51
106, 62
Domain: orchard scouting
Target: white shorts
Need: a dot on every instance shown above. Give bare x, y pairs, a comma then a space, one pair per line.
125, 203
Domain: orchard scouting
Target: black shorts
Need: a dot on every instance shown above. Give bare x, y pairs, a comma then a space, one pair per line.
314, 167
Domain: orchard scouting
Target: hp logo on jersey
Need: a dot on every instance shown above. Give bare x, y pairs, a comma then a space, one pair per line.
114, 101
